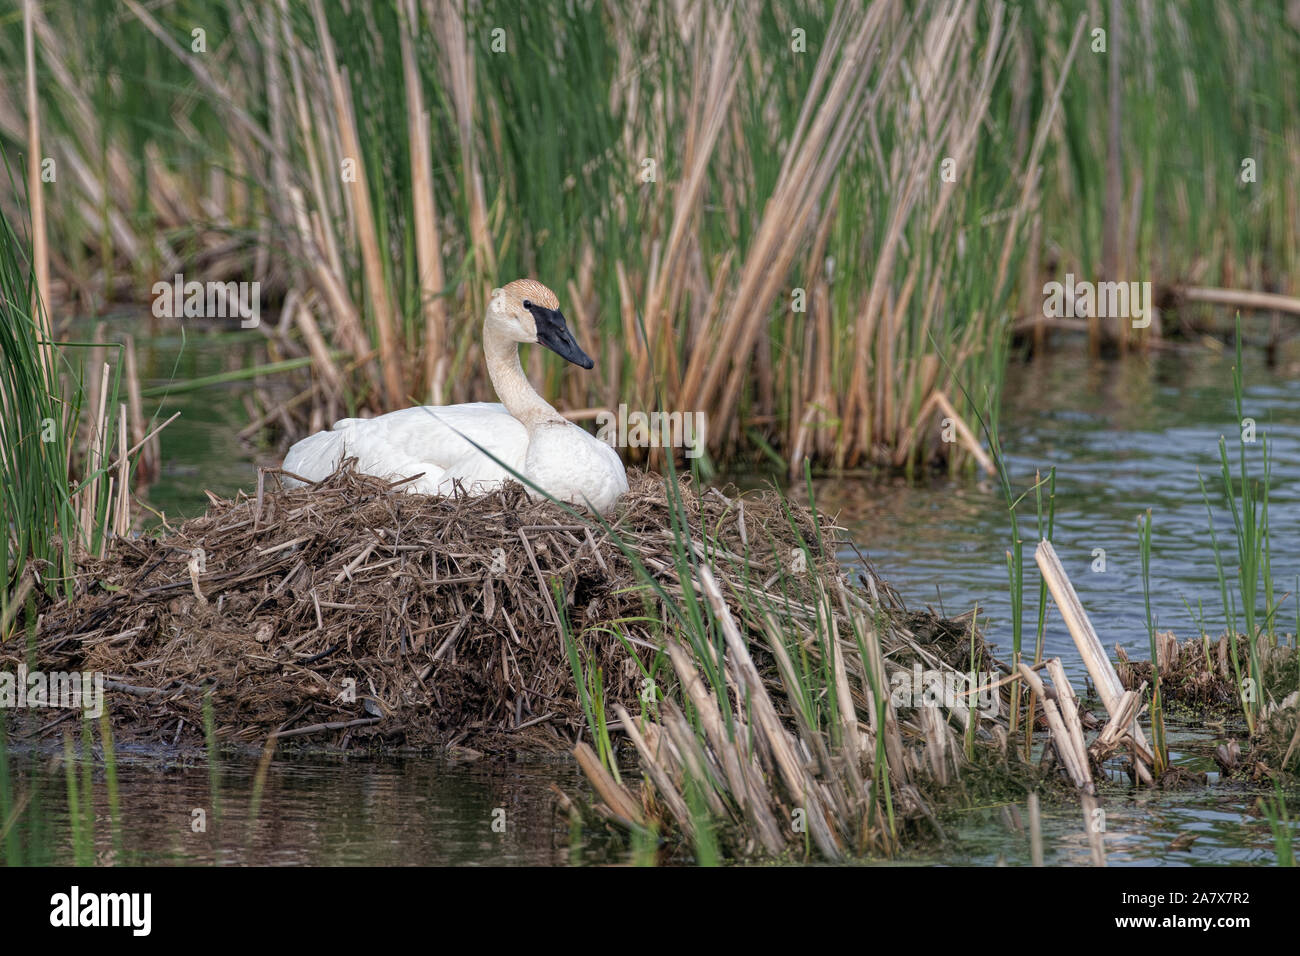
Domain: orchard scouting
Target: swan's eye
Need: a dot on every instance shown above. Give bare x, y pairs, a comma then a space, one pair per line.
528, 305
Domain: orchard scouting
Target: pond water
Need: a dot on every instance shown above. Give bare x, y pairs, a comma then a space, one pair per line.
437, 811
1124, 436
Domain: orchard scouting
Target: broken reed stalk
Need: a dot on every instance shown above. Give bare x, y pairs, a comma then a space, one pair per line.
1069, 708
1061, 722
1035, 831
148, 462
766, 722
740, 770
1090, 648
616, 798
796, 742
122, 517
88, 496
1116, 731
964, 433
1268, 301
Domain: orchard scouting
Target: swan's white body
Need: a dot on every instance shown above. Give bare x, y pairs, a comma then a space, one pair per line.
438, 443
445, 444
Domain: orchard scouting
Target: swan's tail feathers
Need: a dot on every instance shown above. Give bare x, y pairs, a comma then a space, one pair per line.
314, 458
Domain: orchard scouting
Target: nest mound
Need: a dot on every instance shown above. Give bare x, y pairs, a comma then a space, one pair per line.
354, 613
1199, 674
1199, 671
1195, 672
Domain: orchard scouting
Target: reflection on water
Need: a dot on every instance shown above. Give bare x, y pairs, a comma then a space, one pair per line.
1140, 830
1223, 823
201, 450
430, 811
319, 812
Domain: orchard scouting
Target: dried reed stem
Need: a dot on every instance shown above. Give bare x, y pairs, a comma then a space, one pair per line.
41, 304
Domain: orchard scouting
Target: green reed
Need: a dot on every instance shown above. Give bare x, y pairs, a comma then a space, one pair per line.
1245, 498
1159, 746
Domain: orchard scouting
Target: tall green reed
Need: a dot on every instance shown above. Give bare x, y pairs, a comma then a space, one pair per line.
36, 507
1207, 92
1159, 746
689, 181
1245, 498
60, 485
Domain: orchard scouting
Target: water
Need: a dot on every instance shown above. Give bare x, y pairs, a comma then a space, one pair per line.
437, 811
330, 812
200, 450
1124, 436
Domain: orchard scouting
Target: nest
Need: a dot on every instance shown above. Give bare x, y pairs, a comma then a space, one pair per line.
354, 613
1199, 672
1199, 675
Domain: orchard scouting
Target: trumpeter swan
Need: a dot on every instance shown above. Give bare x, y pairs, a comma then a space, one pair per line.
523, 431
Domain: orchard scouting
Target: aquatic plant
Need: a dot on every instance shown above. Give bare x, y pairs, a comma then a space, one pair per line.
783, 726
1246, 501
1159, 748
36, 506
780, 207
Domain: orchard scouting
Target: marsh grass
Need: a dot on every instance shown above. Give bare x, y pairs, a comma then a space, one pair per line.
778, 208
775, 729
62, 491
1202, 88
1159, 747
52, 518
589, 683
1245, 498
36, 504
781, 207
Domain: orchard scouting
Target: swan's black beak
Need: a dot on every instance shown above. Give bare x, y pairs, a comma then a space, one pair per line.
555, 335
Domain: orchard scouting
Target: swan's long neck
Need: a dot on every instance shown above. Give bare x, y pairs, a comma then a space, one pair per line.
512, 386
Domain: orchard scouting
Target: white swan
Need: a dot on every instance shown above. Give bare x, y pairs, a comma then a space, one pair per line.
523, 432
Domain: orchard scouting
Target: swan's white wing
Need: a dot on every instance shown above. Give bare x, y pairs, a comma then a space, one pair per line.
436, 440
445, 436
573, 465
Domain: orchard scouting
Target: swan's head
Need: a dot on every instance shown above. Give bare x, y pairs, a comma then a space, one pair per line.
527, 311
